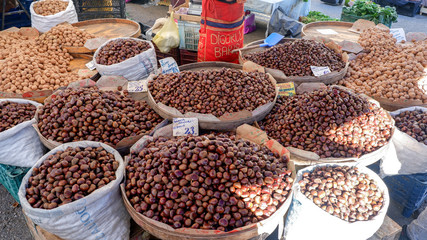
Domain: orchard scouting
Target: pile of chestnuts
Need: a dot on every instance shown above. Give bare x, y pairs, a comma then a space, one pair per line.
331, 123
343, 191
294, 58
119, 50
70, 175
413, 123
214, 92
12, 114
95, 115
207, 182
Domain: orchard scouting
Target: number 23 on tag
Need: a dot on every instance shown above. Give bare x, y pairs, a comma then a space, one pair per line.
185, 126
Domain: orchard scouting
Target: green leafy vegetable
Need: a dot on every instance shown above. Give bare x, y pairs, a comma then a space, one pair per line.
371, 11
314, 16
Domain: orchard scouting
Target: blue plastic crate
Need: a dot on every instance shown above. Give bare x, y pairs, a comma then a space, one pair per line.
18, 20
408, 190
11, 178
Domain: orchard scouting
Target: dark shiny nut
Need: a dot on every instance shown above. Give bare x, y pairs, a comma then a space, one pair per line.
119, 50
413, 123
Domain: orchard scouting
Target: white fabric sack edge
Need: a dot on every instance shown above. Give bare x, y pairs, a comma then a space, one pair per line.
100, 215
19, 145
45, 23
411, 154
311, 222
135, 68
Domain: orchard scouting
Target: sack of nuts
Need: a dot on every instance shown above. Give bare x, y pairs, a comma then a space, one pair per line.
208, 185
335, 202
73, 192
46, 14
410, 142
19, 144
132, 58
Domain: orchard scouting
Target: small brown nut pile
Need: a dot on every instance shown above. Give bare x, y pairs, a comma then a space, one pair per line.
206, 182
294, 58
64, 35
50, 7
70, 175
12, 114
331, 123
94, 115
413, 123
344, 192
213, 91
388, 70
119, 50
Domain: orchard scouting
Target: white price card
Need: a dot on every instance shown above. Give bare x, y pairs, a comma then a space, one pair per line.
169, 65
137, 86
399, 34
90, 65
319, 71
327, 31
185, 126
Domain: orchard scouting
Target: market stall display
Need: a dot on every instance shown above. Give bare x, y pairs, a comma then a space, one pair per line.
337, 200
13, 113
413, 123
73, 184
120, 50
293, 59
218, 101
93, 114
333, 124
50, 7
365, 9
391, 73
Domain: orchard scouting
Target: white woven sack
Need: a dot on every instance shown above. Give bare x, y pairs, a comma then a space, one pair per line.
306, 220
133, 69
411, 154
45, 23
99, 216
20, 145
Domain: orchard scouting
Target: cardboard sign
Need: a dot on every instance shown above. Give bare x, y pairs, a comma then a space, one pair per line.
319, 71
185, 126
90, 65
169, 65
286, 89
138, 86
399, 34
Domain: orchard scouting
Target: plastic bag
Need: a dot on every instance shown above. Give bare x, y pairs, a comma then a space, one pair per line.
134, 68
286, 26
306, 220
168, 37
411, 154
100, 215
45, 23
20, 145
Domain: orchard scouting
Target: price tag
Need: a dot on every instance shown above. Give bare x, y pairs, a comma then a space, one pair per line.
327, 31
399, 34
319, 71
137, 86
90, 65
169, 65
185, 126
286, 89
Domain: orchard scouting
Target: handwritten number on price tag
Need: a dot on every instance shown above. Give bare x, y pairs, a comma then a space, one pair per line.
185, 126
137, 86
